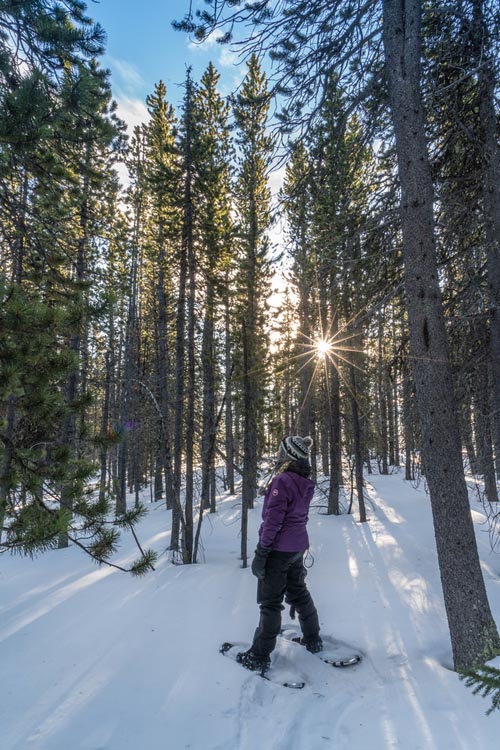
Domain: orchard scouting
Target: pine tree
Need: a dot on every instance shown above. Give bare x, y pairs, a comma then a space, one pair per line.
163, 179
252, 200
187, 300
213, 197
297, 195
57, 133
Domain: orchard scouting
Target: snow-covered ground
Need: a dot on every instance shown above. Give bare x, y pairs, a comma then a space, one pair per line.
93, 659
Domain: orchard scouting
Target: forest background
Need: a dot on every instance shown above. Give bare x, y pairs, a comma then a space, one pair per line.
138, 346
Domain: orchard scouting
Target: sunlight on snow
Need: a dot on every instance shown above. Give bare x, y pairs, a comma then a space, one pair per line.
53, 601
353, 566
414, 589
417, 708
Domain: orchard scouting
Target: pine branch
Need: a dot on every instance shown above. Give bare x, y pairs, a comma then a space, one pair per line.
484, 681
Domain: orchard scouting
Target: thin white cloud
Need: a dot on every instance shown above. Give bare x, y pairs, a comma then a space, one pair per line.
228, 58
132, 110
128, 76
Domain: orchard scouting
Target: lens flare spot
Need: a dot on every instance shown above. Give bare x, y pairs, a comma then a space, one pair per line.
323, 347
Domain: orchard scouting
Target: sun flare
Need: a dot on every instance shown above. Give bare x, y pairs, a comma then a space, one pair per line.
323, 347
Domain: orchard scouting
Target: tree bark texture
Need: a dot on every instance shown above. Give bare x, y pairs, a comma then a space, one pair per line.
408, 426
188, 531
490, 150
382, 410
467, 436
481, 392
229, 432
162, 369
208, 418
335, 433
474, 636
357, 444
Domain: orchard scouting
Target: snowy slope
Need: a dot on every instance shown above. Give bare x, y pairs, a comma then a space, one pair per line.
92, 659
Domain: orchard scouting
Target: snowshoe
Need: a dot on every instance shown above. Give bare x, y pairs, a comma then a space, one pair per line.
333, 652
279, 675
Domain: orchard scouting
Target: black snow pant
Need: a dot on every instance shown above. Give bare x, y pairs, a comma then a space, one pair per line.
285, 577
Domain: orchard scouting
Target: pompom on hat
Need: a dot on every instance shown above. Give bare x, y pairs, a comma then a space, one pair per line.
295, 447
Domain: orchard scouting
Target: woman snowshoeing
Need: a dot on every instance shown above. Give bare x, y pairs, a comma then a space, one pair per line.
278, 562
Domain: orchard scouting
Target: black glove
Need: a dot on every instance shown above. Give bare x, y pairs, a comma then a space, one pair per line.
259, 561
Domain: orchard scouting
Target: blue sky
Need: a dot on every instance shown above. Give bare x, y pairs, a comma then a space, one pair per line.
142, 48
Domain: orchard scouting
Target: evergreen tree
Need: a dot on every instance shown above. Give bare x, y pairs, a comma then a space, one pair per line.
297, 192
163, 185
57, 133
253, 204
187, 318
213, 197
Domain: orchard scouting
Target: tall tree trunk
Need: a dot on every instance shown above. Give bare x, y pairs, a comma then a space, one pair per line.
335, 431
288, 388
188, 531
313, 432
490, 151
357, 444
125, 399
395, 396
474, 635
467, 437
395, 402
482, 414
383, 439
213, 485
103, 453
390, 418
137, 471
162, 370
73, 388
324, 422
121, 496
304, 340
158, 472
495, 431
180, 344
250, 430
250, 388
180, 347
408, 422
208, 417
229, 433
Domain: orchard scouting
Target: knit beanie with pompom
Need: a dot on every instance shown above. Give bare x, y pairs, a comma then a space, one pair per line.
295, 447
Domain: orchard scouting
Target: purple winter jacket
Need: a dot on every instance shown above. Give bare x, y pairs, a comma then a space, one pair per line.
285, 513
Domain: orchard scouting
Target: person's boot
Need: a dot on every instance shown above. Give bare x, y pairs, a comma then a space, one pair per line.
314, 644
252, 661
